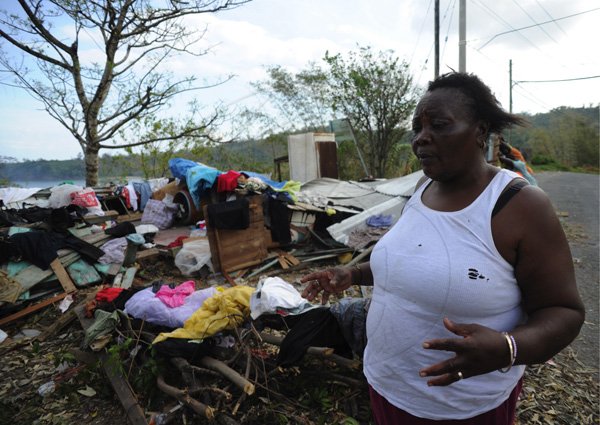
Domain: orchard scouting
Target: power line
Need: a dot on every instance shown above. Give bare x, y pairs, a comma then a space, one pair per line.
536, 25
448, 29
558, 81
533, 20
532, 98
550, 16
420, 32
499, 18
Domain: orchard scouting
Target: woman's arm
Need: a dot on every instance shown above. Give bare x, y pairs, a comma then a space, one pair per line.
545, 273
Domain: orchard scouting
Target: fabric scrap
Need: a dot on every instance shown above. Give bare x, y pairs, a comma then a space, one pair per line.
275, 295
175, 297
224, 310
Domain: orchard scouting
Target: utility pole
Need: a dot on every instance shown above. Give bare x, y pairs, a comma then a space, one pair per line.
462, 36
437, 38
510, 85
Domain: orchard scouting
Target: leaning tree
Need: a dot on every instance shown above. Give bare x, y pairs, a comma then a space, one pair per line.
98, 66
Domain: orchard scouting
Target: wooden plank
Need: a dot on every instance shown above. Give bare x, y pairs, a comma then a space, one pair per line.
236, 266
282, 262
147, 253
114, 269
32, 308
63, 276
128, 277
133, 216
229, 279
291, 259
108, 215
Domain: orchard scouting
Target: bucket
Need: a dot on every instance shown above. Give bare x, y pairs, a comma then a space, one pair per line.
190, 214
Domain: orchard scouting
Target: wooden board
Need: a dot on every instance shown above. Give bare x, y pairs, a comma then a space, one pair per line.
237, 249
63, 276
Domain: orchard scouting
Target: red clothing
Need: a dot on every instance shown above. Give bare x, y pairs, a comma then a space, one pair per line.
108, 294
385, 413
228, 181
177, 242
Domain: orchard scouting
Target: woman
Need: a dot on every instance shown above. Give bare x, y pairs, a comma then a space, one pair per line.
462, 298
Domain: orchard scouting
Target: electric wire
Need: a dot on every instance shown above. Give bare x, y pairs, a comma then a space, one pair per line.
531, 26
558, 80
500, 19
551, 17
420, 31
532, 98
448, 29
533, 20
424, 66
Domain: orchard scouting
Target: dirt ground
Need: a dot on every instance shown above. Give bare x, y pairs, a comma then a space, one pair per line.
561, 391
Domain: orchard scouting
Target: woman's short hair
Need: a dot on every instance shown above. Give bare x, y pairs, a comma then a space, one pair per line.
480, 99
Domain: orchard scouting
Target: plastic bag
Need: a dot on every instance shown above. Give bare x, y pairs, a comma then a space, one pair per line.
60, 196
193, 256
87, 198
159, 213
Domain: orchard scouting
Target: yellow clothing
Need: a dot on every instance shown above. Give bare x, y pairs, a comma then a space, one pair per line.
226, 309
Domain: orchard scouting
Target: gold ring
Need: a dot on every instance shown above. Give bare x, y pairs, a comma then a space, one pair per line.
460, 375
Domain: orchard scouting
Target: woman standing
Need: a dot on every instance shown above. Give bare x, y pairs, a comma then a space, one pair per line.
467, 289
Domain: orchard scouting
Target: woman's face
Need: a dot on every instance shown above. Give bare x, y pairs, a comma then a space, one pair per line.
446, 135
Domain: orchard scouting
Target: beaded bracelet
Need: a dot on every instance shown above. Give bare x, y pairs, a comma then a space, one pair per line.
512, 347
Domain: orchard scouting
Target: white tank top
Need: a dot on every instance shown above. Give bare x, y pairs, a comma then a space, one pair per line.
432, 265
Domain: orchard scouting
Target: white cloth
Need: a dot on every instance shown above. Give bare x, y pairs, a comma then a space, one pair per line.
133, 198
16, 194
274, 293
142, 229
114, 251
146, 305
432, 265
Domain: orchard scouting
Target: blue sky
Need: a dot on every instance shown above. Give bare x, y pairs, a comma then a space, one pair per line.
291, 33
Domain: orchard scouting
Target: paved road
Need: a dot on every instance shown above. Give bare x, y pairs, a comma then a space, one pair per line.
577, 195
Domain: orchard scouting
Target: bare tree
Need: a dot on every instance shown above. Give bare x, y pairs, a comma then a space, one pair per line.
97, 99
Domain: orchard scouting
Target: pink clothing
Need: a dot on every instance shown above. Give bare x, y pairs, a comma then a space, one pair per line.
175, 297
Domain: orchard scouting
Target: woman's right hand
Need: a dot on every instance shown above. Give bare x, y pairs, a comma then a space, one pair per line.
329, 281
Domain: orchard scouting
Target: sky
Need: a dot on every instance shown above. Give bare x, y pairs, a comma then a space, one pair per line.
292, 33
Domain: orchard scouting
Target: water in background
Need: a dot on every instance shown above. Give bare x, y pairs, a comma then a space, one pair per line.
44, 184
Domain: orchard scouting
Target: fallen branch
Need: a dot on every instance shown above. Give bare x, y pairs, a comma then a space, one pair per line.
228, 373
315, 351
184, 397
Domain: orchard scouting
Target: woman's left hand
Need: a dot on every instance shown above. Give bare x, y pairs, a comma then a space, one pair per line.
480, 350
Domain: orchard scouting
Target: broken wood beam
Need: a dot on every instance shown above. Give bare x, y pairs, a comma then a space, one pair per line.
32, 308
228, 373
63, 276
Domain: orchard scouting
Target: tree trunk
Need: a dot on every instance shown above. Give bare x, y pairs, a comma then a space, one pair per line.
91, 166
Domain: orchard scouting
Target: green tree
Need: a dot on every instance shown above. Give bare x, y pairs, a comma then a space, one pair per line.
301, 100
97, 99
375, 92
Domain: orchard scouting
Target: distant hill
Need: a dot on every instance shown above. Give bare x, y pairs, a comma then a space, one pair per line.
258, 155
